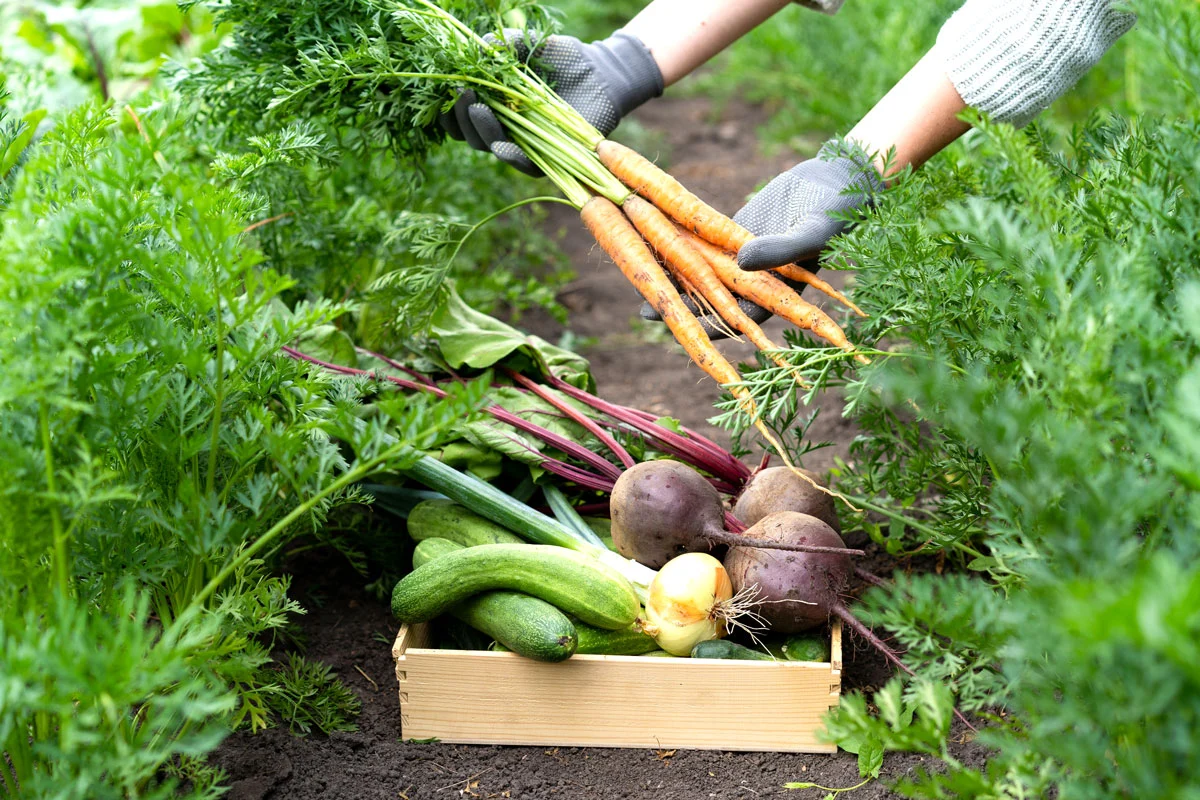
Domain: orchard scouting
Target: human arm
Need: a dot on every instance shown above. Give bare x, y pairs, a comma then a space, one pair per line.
1008, 58
684, 34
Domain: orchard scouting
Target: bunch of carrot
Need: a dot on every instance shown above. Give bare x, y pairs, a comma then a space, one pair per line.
644, 219
696, 243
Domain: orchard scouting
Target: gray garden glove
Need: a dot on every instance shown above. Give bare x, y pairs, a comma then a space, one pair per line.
603, 81
791, 217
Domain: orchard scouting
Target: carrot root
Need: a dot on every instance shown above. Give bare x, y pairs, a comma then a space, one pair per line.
617, 235
795, 272
691, 266
619, 238
774, 295
668, 194
642, 176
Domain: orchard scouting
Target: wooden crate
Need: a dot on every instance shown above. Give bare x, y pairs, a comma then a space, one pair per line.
477, 697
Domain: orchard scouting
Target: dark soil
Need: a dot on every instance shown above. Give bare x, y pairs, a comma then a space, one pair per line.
635, 363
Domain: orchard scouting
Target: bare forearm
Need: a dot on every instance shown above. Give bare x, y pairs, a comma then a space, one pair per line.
683, 34
918, 117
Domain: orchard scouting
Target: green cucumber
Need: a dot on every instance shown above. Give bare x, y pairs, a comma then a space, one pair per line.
526, 625
625, 642
429, 549
806, 647
723, 648
446, 519
578, 584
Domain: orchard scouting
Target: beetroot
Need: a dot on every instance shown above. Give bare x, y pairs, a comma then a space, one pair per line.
779, 489
797, 591
661, 509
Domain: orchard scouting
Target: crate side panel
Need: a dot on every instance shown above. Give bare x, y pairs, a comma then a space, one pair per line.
615, 702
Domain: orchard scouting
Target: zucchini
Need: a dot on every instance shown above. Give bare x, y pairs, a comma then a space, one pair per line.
446, 519
625, 642
526, 625
578, 584
806, 647
489, 502
723, 648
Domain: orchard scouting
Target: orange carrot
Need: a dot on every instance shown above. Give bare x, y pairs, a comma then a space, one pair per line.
613, 232
689, 265
644, 177
773, 295
797, 273
621, 241
670, 243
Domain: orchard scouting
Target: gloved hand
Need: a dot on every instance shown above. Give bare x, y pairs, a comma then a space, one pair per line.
790, 217
603, 81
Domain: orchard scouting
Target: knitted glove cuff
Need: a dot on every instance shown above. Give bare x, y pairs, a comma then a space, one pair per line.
1013, 58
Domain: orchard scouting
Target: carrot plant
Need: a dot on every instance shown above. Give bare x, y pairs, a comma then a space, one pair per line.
1033, 417
391, 67
156, 452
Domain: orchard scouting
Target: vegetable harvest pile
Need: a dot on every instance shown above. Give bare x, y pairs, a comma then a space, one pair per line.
549, 585
417, 56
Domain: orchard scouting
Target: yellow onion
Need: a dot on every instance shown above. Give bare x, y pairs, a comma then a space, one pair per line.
687, 603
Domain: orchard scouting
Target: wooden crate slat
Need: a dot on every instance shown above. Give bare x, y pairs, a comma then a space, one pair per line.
612, 701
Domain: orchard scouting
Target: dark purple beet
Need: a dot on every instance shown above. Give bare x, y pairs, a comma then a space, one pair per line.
779, 489
819, 579
661, 509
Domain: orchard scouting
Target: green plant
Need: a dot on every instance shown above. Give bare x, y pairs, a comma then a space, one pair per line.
155, 452
1033, 416
310, 698
60, 54
315, 107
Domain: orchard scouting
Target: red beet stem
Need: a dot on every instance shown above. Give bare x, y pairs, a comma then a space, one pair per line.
702, 452
603, 465
393, 363
588, 424
734, 540
733, 524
